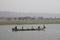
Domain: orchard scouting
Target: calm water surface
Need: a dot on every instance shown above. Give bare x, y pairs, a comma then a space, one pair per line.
52, 32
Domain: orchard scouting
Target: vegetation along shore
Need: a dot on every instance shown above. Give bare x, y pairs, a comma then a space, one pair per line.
29, 20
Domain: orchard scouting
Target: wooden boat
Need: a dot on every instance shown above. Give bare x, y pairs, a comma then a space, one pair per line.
32, 29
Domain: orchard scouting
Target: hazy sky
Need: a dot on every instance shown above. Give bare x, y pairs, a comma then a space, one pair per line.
32, 6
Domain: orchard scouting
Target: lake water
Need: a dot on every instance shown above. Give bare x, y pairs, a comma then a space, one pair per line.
52, 32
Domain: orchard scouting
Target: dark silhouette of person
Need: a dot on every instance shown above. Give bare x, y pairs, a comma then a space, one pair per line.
22, 27
38, 27
44, 26
15, 27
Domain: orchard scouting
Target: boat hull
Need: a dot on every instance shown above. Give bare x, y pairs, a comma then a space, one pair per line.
13, 29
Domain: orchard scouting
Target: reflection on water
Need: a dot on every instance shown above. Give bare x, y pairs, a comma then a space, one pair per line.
52, 32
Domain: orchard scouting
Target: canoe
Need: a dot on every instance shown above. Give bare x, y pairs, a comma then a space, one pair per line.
13, 29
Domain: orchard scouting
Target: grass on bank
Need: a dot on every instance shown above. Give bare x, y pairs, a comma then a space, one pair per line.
31, 22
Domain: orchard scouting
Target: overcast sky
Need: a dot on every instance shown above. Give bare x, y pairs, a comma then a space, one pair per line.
30, 6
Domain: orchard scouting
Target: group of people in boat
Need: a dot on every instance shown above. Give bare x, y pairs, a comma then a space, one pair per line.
31, 28
43, 27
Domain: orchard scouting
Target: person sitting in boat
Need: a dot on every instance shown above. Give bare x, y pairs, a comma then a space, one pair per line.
32, 28
38, 27
22, 27
44, 26
15, 27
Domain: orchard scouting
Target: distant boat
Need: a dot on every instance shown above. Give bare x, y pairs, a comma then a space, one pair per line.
32, 29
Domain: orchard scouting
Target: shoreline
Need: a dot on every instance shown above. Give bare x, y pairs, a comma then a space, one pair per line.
30, 24
22, 22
